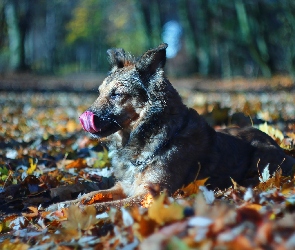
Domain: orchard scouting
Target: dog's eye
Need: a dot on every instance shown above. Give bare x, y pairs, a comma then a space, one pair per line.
115, 95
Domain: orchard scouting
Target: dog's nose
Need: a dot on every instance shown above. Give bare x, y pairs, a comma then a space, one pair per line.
87, 122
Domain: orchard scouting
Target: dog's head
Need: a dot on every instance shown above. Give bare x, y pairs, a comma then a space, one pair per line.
124, 93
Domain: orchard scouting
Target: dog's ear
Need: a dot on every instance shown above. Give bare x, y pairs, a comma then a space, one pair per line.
117, 58
152, 60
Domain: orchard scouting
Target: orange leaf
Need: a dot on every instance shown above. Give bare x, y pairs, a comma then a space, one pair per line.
256, 207
79, 163
193, 187
33, 214
291, 135
98, 198
147, 201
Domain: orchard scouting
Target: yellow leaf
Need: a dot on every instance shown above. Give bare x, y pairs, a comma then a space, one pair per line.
16, 245
276, 134
71, 126
256, 207
32, 167
162, 213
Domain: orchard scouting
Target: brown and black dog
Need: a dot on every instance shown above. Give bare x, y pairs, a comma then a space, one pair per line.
153, 138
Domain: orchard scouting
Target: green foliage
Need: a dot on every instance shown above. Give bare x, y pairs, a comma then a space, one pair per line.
86, 22
109, 23
3, 173
102, 159
220, 38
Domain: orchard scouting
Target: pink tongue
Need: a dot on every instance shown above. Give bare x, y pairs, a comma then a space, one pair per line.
87, 121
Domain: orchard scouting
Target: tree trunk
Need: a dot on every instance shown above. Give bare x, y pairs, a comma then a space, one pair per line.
145, 8
248, 39
14, 35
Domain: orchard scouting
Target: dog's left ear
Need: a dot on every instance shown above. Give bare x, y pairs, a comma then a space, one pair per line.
151, 60
117, 57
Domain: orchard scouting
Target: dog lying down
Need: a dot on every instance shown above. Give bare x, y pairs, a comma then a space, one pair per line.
153, 138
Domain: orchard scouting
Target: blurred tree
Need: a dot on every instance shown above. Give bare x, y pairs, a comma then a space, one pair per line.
18, 19
255, 42
208, 37
3, 26
97, 25
285, 36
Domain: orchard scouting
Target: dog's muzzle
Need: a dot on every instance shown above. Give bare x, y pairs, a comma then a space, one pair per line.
87, 119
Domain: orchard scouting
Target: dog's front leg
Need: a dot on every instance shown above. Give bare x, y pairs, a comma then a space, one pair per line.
116, 193
127, 202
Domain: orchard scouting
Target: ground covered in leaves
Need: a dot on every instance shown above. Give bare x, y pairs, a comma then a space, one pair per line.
46, 158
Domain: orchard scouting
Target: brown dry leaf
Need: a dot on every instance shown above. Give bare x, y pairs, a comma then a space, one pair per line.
241, 242
193, 187
288, 188
33, 214
80, 219
248, 214
79, 163
162, 213
291, 135
144, 227
158, 239
269, 184
276, 181
98, 198
264, 233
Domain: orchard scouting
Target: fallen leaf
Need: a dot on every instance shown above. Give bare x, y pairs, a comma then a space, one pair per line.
99, 197
79, 163
33, 214
79, 219
162, 213
147, 201
32, 166
276, 134
16, 245
193, 187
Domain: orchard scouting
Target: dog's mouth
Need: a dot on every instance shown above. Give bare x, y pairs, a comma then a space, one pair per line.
93, 124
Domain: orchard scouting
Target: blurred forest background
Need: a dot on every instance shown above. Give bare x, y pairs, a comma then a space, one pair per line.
219, 38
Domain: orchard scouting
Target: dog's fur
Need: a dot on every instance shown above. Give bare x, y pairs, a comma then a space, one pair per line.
153, 138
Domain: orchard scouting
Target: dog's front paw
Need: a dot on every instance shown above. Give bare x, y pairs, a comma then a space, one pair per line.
55, 207
60, 206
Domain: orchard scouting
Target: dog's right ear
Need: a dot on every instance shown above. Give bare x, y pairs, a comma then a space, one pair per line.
117, 57
152, 60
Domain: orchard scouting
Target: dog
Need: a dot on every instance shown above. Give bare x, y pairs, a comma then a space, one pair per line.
154, 139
